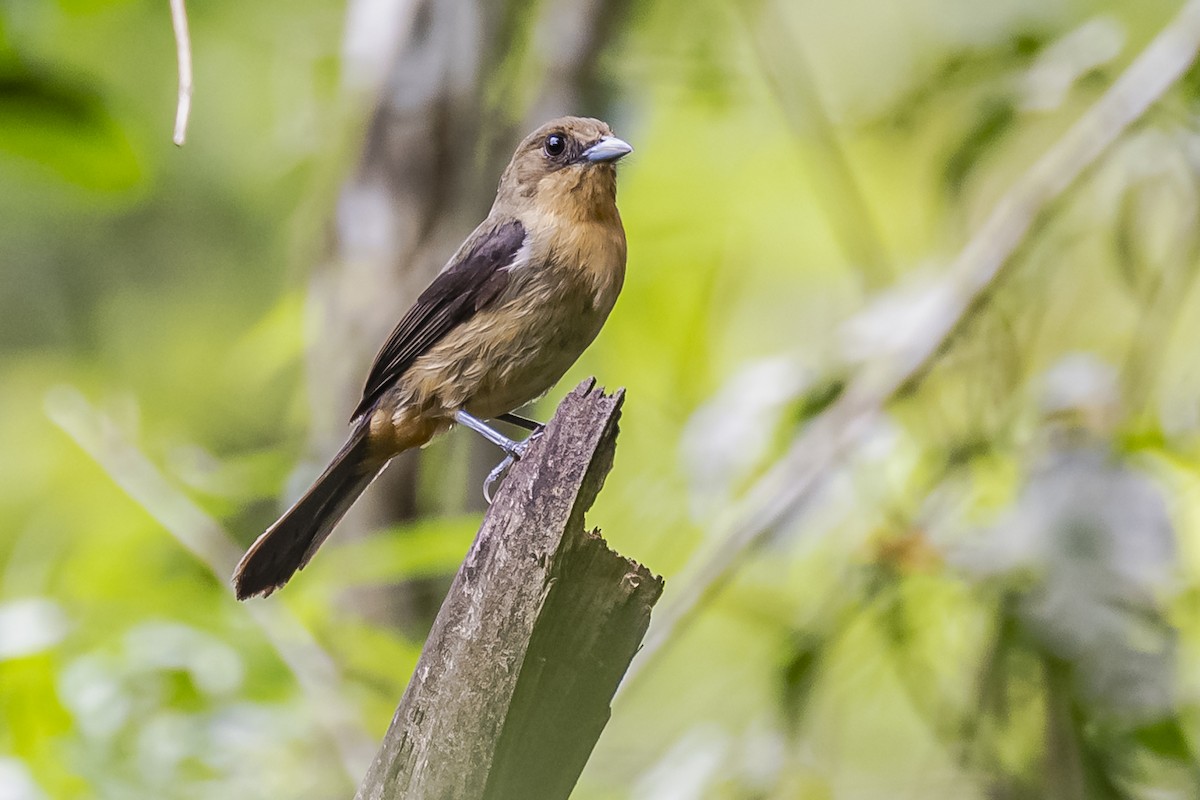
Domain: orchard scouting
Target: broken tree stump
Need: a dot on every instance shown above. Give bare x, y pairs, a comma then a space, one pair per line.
513, 686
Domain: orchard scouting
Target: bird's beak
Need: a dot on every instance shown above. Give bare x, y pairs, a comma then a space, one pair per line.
609, 148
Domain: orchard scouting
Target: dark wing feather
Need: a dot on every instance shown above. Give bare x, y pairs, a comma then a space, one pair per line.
469, 284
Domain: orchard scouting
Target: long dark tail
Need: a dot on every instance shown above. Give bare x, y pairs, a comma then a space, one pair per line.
288, 544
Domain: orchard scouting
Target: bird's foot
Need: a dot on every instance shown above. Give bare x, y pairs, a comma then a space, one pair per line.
513, 455
495, 475
514, 450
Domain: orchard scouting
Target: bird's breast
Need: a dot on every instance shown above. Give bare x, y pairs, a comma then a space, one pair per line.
570, 256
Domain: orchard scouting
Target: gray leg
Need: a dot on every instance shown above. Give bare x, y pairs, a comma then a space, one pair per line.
513, 450
491, 434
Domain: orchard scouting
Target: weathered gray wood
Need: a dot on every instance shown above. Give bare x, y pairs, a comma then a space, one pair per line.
514, 684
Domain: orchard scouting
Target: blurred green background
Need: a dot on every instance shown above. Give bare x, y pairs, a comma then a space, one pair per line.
994, 596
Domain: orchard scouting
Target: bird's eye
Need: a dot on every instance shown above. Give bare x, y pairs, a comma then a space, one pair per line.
556, 143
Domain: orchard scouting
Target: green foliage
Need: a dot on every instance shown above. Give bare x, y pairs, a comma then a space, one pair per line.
907, 635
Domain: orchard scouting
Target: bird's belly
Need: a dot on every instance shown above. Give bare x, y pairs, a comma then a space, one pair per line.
506, 358
524, 376
522, 373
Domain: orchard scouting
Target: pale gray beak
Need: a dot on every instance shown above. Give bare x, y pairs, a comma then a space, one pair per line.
609, 148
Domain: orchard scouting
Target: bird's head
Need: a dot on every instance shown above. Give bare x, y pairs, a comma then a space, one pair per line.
567, 164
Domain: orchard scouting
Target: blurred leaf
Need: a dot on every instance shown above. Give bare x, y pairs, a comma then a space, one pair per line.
1165, 738
425, 548
993, 120
817, 398
799, 676
269, 347
66, 130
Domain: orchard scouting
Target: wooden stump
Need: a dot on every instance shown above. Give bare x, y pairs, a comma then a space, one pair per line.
514, 683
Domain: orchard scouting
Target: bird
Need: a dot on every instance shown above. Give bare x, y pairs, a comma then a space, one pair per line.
513, 308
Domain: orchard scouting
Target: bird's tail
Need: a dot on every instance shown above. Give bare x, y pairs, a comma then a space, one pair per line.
287, 545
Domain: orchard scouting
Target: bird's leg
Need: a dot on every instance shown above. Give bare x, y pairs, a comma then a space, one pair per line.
531, 425
488, 432
513, 450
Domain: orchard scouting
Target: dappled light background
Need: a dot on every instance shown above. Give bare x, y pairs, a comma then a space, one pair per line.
988, 587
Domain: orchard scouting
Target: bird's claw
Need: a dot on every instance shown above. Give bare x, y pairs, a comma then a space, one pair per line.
494, 476
513, 455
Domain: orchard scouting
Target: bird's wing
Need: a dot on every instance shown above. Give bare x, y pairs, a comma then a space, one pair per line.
474, 278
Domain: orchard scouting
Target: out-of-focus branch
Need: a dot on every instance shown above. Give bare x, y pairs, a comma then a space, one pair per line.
183, 51
204, 537
790, 76
783, 493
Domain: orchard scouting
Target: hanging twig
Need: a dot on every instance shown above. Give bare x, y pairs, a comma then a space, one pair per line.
183, 51
783, 493
203, 536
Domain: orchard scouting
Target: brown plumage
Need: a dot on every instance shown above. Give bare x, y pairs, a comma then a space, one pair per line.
512, 310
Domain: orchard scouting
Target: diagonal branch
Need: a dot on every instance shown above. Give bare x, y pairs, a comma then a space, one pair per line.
204, 537
786, 489
783, 61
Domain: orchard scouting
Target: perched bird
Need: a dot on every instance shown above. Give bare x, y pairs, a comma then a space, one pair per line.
510, 312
